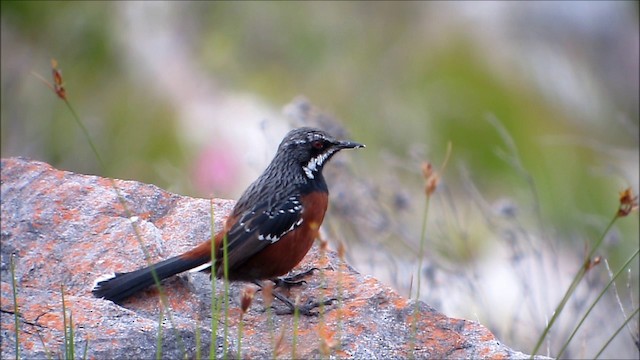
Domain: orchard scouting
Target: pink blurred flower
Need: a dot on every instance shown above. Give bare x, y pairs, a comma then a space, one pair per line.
215, 171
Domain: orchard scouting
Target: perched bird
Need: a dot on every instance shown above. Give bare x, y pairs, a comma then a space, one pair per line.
270, 229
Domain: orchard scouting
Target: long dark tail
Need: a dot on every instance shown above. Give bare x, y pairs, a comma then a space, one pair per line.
123, 285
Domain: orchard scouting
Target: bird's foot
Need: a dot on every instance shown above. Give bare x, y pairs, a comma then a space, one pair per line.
307, 309
293, 280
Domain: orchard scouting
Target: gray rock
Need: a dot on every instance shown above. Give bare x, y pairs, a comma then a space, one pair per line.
65, 230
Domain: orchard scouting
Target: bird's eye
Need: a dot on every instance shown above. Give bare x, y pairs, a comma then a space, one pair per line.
317, 144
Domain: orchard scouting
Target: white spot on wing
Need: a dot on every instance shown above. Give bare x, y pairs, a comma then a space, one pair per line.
273, 238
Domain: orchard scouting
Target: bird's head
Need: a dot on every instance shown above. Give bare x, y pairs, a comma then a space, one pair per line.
311, 148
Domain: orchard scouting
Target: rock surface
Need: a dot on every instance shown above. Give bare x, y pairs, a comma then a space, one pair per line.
64, 230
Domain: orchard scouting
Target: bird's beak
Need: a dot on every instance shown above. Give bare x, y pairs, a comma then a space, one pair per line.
349, 145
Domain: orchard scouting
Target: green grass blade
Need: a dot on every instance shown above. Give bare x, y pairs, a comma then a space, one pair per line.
225, 262
159, 337
72, 343
65, 327
15, 306
86, 349
198, 340
120, 197
613, 336
571, 289
294, 341
215, 308
604, 290
239, 351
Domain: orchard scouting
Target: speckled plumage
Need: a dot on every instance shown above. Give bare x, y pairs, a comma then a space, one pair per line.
271, 227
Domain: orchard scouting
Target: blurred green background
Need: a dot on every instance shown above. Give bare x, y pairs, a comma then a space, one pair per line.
187, 95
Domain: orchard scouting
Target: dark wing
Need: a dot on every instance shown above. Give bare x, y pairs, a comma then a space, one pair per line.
260, 227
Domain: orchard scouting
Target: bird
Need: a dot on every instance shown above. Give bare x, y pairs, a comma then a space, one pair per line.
269, 231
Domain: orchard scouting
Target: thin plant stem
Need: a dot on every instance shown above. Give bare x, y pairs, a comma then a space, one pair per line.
68, 331
44, 346
198, 336
16, 315
72, 343
86, 349
225, 264
615, 292
270, 326
118, 194
432, 179
604, 290
340, 299
423, 232
58, 88
512, 157
215, 309
159, 338
129, 215
423, 235
294, 341
239, 351
340, 320
613, 336
571, 289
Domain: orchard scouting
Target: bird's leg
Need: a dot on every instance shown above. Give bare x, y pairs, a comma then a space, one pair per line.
293, 280
305, 309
